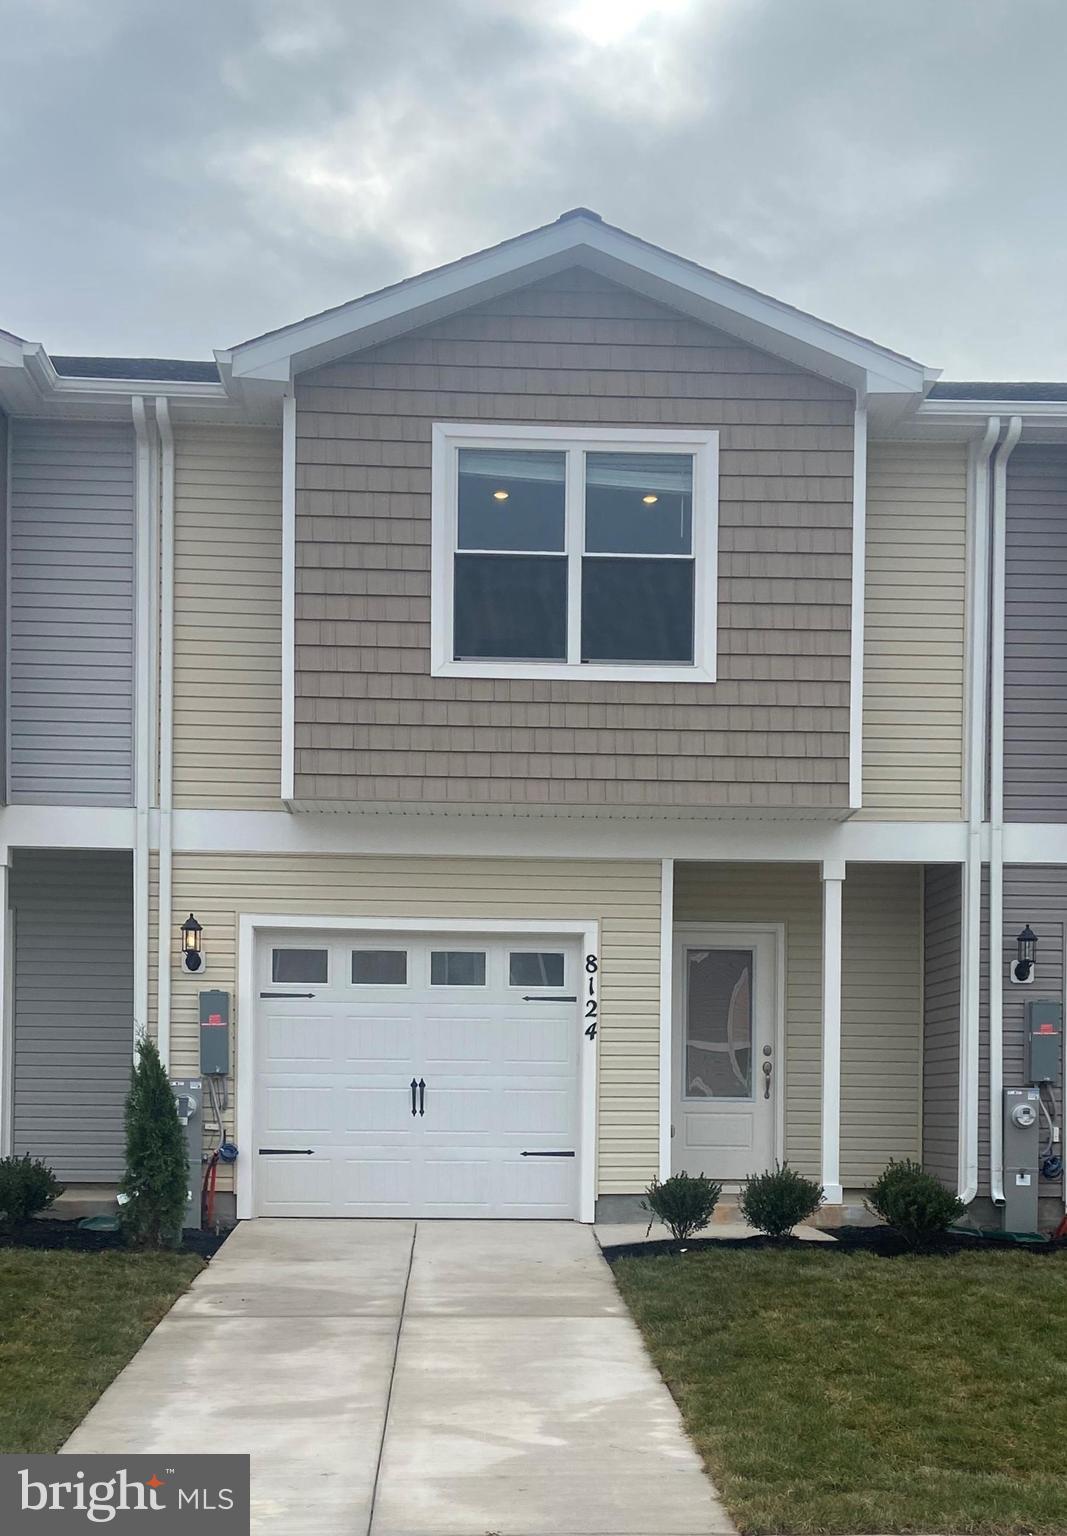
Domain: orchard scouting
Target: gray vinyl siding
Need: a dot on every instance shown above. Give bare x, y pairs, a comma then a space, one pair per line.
942, 934
73, 1008
372, 725
4, 463
1034, 894
72, 614
1035, 637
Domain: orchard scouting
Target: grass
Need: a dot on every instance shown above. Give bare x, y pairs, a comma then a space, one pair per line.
848, 1393
69, 1322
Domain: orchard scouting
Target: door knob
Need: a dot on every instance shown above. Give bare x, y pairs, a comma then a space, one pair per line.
767, 1070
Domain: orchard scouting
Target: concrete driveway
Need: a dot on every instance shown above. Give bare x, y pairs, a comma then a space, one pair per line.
416, 1379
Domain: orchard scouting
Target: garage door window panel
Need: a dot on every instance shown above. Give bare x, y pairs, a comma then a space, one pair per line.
535, 968
379, 967
457, 968
300, 965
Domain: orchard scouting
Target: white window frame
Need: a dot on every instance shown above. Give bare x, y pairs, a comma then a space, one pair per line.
449, 437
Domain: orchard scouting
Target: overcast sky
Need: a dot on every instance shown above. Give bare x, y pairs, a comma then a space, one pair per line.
181, 177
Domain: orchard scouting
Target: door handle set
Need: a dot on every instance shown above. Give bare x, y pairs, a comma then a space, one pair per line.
418, 1095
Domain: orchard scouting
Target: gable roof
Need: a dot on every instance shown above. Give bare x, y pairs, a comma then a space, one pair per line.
579, 237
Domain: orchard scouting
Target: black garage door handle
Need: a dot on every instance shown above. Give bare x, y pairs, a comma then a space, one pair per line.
287, 1151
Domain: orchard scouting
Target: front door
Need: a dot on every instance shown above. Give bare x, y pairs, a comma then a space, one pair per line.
725, 1049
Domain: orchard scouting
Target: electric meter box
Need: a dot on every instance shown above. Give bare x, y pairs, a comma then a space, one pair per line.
189, 1097
214, 1033
1022, 1111
1044, 1040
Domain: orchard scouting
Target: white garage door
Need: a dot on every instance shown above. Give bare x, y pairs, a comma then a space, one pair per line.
427, 1077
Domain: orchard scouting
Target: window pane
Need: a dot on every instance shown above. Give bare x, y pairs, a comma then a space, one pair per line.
718, 1024
535, 970
510, 500
379, 967
637, 610
457, 968
299, 965
510, 607
639, 503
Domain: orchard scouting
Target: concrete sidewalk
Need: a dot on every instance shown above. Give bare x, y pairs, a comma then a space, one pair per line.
416, 1379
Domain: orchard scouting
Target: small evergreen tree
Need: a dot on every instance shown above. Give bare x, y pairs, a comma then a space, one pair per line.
157, 1169
775, 1202
685, 1204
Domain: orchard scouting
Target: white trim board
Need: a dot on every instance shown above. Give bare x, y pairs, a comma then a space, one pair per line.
535, 835
251, 925
859, 587
288, 762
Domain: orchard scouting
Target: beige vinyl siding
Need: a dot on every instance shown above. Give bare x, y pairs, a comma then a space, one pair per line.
881, 1019
881, 999
942, 937
227, 618
373, 725
914, 631
623, 897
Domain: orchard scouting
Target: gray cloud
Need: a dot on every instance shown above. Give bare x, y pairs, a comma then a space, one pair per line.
178, 178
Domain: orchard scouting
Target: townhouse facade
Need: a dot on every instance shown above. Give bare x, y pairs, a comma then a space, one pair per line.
602, 720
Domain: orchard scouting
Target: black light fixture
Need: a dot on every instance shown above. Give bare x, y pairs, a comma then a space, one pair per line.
1026, 956
192, 944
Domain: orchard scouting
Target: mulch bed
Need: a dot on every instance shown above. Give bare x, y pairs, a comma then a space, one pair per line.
48, 1233
879, 1241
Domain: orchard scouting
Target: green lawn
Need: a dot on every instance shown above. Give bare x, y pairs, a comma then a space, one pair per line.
69, 1322
852, 1393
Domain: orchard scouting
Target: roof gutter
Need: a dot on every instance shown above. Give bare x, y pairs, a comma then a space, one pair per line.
996, 809
970, 980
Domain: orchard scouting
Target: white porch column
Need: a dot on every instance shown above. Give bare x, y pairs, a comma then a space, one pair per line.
833, 875
7, 1083
666, 1015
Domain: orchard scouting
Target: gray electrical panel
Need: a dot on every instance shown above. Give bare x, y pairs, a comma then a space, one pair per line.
1044, 1040
1021, 1134
214, 1033
189, 1097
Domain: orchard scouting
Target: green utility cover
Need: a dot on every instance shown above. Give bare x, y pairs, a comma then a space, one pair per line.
99, 1223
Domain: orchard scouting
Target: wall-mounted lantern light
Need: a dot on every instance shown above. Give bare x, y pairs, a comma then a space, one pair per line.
192, 945
1022, 971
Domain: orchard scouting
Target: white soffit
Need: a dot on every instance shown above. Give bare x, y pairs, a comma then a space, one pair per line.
581, 238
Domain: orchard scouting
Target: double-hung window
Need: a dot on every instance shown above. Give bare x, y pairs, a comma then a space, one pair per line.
574, 553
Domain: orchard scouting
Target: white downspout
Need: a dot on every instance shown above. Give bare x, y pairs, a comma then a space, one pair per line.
996, 812
166, 727
970, 980
142, 714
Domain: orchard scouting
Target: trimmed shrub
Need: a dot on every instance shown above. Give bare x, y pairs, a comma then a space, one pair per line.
775, 1202
27, 1186
913, 1202
157, 1169
684, 1204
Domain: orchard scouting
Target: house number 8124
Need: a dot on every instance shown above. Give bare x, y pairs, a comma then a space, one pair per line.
591, 1009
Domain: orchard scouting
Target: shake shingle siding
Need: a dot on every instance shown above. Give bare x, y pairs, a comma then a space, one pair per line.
372, 725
